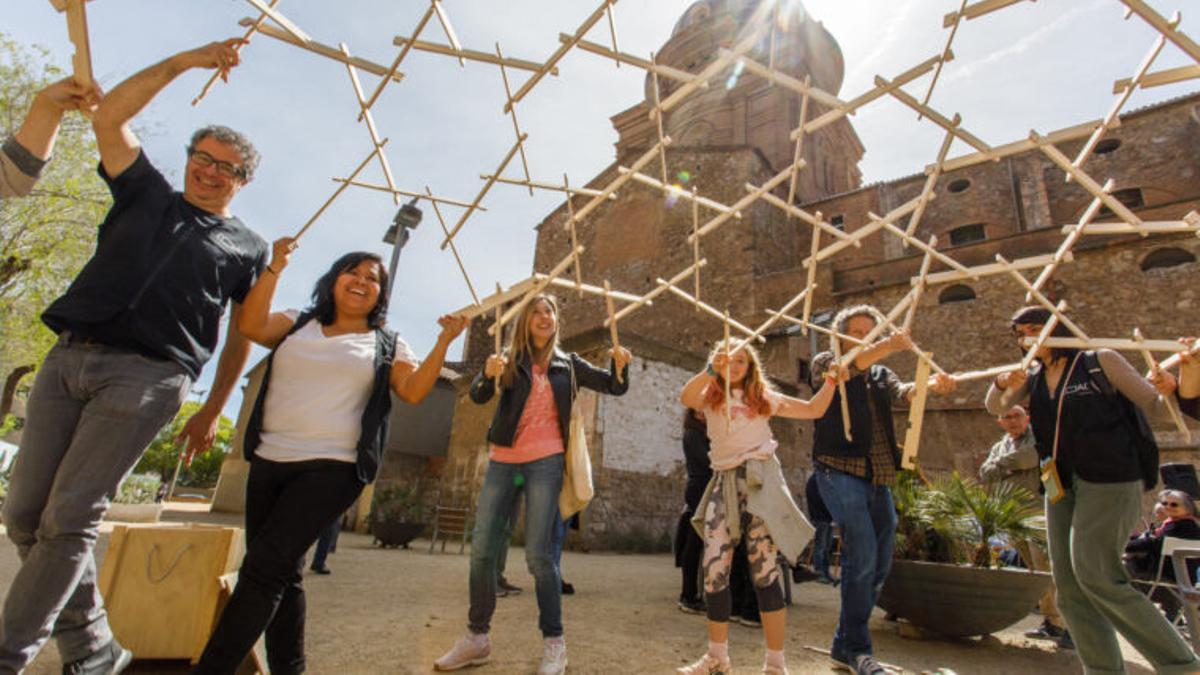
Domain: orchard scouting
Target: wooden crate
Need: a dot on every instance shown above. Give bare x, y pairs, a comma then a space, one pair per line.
162, 585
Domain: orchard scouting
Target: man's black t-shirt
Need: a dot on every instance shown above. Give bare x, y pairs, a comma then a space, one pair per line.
161, 274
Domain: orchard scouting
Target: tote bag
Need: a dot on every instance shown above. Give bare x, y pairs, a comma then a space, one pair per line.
577, 488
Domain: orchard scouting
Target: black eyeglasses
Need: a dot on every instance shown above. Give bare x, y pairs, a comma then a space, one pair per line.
1171, 504
203, 159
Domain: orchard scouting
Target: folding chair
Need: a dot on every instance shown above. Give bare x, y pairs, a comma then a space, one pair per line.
1182, 550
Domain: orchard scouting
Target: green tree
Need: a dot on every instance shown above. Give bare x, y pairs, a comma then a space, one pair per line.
163, 453
45, 238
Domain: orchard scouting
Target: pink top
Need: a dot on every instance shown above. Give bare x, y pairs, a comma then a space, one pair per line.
538, 434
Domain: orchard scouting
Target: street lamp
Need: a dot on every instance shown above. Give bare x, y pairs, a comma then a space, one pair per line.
407, 218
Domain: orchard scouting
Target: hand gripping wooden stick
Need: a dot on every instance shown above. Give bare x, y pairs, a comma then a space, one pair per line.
1167, 401
845, 404
728, 359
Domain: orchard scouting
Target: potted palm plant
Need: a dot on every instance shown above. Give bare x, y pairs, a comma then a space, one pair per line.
944, 579
397, 515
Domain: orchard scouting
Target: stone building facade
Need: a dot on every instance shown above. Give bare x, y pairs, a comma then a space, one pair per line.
729, 136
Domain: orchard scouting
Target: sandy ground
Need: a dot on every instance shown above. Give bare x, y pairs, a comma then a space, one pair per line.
395, 611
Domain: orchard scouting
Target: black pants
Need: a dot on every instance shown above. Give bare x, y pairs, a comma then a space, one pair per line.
691, 551
288, 504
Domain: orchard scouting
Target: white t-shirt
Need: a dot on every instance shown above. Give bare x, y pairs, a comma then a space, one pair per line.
318, 391
746, 435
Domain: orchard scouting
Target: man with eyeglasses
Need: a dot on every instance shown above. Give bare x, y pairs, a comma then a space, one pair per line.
1014, 458
135, 327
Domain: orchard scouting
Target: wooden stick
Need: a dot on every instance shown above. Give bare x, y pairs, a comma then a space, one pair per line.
671, 189
1160, 24
341, 188
1042, 337
659, 290
77, 31
483, 191
756, 192
798, 155
942, 257
728, 364
540, 282
658, 119
1086, 181
931, 180
559, 53
404, 49
320, 49
870, 228
696, 245
512, 111
284, 23
989, 374
849, 107
574, 234
365, 115
704, 307
1167, 401
1190, 224
1116, 344
544, 186
977, 10
843, 401
935, 117
449, 31
818, 328
405, 193
804, 88
888, 321
990, 269
814, 220
1068, 243
724, 59
665, 71
453, 249
811, 281
479, 309
1017, 147
945, 52
499, 333
771, 320
622, 178
612, 324
1160, 78
612, 29
1177, 358
922, 280
1042, 300
469, 54
587, 288
217, 73
916, 417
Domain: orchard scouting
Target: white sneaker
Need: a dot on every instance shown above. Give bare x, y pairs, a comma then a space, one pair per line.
469, 650
554, 657
707, 665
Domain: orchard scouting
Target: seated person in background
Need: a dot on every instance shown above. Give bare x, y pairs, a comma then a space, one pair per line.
1144, 551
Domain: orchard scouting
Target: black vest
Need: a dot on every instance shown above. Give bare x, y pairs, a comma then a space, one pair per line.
829, 437
375, 416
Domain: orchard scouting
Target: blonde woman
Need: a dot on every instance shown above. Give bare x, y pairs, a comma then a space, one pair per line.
528, 438
746, 497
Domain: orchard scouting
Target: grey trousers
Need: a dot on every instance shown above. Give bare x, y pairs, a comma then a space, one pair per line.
91, 414
1087, 530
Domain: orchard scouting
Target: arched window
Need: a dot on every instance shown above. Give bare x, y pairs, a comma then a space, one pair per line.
1130, 197
1106, 146
838, 221
968, 234
956, 293
1167, 257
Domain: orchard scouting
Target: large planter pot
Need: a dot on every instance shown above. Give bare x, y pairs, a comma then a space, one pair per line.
389, 533
959, 600
134, 513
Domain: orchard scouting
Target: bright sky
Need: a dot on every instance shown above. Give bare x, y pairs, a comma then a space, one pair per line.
1036, 66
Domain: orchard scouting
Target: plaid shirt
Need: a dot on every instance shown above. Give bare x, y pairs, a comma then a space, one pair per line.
882, 467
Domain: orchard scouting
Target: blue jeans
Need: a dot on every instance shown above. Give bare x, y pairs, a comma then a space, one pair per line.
91, 414
867, 517
556, 544
542, 483
822, 542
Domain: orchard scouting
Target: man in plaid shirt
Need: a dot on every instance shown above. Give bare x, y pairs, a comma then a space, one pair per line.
855, 476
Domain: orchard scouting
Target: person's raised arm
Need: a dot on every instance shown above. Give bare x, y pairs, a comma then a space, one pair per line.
119, 147
692, 395
257, 322
813, 408
1007, 390
201, 428
411, 384
604, 380
881, 349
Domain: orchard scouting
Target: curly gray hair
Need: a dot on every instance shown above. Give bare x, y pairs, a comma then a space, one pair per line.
245, 148
842, 319
1184, 499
